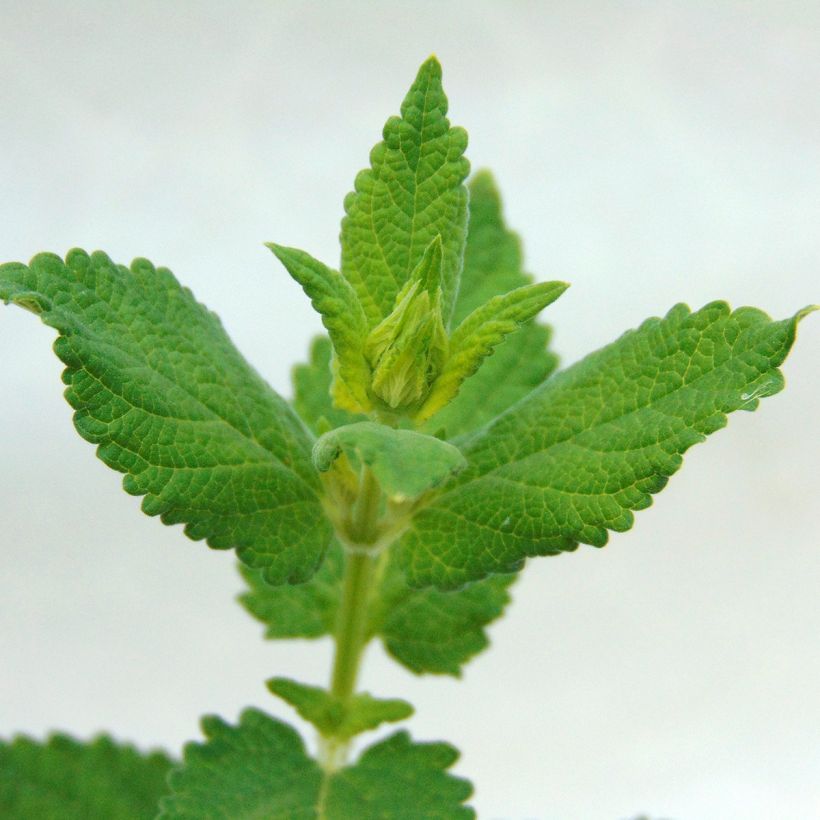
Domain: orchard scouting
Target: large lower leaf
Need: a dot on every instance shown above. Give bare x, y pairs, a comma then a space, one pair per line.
426, 630
259, 769
157, 384
575, 458
64, 779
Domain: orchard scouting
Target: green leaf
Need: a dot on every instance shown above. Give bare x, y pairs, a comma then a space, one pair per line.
64, 779
405, 463
260, 769
493, 266
481, 332
413, 191
156, 383
334, 717
575, 458
334, 298
426, 630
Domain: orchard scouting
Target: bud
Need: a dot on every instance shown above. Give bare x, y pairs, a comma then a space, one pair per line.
406, 350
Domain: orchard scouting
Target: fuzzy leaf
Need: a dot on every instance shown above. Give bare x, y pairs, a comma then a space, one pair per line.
335, 718
413, 191
260, 769
64, 779
405, 463
575, 458
156, 383
333, 297
426, 630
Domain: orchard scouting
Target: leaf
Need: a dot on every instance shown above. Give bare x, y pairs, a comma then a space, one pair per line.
260, 769
592, 444
405, 463
413, 191
481, 332
64, 779
426, 630
333, 297
332, 716
493, 266
156, 383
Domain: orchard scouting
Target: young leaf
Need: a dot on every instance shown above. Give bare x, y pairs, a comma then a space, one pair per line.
334, 298
334, 717
412, 192
156, 383
493, 266
405, 463
64, 779
426, 630
260, 769
481, 332
594, 442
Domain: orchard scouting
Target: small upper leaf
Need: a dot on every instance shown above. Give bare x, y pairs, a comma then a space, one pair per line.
64, 779
260, 769
592, 444
157, 384
412, 192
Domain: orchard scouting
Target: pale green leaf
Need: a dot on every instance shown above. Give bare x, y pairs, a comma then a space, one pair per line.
259, 769
426, 630
412, 192
334, 717
405, 463
335, 300
65, 779
156, 383
590, 446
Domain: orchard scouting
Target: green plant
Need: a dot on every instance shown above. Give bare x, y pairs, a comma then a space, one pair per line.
401, 490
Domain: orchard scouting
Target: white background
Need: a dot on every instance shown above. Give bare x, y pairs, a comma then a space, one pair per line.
648, 153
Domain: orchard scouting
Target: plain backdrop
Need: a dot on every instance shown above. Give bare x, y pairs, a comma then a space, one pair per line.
647, 152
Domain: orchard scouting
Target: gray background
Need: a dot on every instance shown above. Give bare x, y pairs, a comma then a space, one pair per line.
648, 153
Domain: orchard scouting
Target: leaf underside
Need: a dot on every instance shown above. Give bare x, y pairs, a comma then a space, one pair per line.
259, 768
591, 445
64, 779
157, 385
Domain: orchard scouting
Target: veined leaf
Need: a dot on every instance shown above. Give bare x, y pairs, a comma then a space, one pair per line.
334, 717
412, 192
156, 383
333, 297
260, 769
493, 266
481, 332
64, 779
593, 443
426, 630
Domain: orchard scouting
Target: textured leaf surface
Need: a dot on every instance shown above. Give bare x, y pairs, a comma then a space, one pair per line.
157, 384
412, 192
405, 463
259, 769
493, 266
426, 630
63, 779
335, 718
575, 458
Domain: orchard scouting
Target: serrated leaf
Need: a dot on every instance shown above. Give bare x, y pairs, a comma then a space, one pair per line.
156, 383
335, 300
260, 769
591, 445
405, 463
481, 332
426, 630
65, 779
334, 717
413, 191
493, 266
